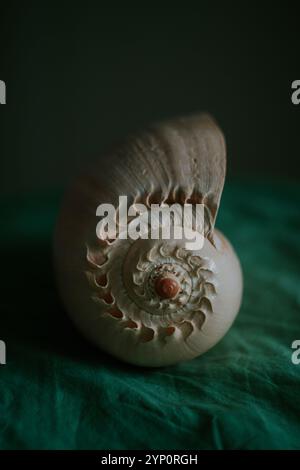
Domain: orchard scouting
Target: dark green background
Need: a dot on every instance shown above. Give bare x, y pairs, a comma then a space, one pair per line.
58, 392
78, 77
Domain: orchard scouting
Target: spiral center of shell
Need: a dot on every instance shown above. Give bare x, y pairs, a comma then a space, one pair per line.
161, 285
166, 287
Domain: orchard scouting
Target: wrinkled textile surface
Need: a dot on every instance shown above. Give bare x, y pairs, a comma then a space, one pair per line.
58, 392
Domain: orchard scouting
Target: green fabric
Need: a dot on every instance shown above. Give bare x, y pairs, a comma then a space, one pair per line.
58, 392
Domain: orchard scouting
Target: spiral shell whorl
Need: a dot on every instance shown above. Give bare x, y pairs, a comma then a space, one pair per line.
134, 296
150, 301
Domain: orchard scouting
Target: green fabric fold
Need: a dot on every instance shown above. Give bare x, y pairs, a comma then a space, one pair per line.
59, 392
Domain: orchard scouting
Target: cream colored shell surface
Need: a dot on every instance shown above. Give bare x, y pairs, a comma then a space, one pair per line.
108, 287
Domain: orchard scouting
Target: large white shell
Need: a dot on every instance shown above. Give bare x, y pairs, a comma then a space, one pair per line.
108, 287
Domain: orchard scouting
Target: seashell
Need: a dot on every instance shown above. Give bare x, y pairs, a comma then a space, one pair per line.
150, 301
